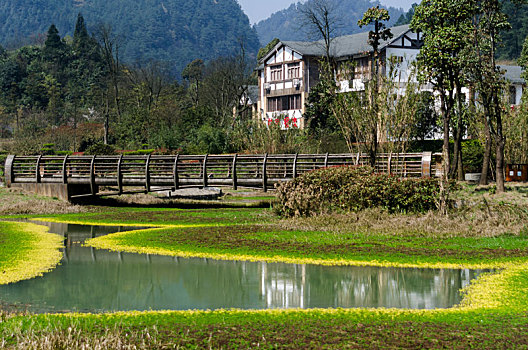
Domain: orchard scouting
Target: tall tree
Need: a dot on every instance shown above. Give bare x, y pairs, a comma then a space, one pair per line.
193, 74
488, 22
55, 49
444, 24
80, 34
321, 22
110, 50
375, 16
83, 44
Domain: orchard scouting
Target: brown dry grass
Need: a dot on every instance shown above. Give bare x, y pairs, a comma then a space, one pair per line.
149, 200
479, 214
18, 202
76, 339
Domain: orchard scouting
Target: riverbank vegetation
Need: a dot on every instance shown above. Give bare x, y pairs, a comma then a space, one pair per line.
492, 312
348, 188
27, 250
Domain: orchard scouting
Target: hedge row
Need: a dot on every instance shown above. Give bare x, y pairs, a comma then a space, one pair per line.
352, 189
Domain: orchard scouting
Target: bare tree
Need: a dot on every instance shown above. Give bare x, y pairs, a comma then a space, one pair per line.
149, 79
110, 45
321, 22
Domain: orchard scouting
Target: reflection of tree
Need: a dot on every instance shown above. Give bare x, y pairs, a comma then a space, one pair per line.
102, 280
387, 287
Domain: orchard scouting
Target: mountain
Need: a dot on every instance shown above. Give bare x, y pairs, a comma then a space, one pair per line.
288, 24
172, 31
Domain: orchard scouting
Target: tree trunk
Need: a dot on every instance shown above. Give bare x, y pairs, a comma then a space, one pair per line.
500, 142
460, 166
460, 135
373, 147
456, 149
444, 182
499, 164
487, 155
106, 125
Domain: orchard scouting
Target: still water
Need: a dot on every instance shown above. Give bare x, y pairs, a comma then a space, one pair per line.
92, 280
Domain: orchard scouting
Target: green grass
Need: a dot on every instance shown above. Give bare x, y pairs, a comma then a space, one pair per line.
26, 251
294, 329
267, 243
165, 216
493, 314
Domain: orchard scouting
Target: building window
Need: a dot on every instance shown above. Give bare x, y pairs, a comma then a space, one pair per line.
294, 70
273, 104
513, 95
398, 60
276, 73
284, 103
362, 67
294, 102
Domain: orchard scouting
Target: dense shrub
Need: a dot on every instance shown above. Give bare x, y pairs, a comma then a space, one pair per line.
354, 188
140, 152
472, 155
100, 149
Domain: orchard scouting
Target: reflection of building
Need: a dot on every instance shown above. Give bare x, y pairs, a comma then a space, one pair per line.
283, 288
311, 286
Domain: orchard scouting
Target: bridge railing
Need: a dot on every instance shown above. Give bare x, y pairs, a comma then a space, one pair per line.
154, 172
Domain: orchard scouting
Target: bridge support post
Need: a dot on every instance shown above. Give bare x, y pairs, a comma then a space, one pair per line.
204, 171
120, 175
264, 174
93, 186
37, 169
64, 168
426, 164
147, 174
175, 177
294, 170
9, 174
234, 173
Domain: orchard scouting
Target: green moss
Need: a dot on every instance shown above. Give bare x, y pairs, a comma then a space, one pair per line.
26, 251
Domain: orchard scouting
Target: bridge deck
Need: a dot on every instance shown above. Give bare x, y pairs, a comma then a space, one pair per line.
179, 171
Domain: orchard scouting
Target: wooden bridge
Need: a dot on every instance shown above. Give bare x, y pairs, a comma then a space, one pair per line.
68, 177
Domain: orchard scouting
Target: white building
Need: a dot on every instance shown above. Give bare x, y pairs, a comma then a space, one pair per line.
289, 71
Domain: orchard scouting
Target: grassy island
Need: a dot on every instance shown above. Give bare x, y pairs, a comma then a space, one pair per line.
26, 251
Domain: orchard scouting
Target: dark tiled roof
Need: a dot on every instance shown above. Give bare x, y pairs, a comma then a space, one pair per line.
513, 74
343, 46
253, 93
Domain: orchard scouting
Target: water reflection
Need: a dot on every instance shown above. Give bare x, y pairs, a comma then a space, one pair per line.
98, 280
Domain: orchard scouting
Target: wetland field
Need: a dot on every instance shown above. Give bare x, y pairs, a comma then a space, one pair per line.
487, 234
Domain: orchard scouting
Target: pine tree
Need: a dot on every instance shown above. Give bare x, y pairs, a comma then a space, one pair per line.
55, 51
83, 45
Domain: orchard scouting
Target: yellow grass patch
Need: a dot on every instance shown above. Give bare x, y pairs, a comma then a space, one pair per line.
30, 251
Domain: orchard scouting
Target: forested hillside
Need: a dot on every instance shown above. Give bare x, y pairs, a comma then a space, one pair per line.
174, 31
75, 95
288, 24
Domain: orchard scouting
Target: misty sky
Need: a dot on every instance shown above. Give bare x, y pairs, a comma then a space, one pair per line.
258, 10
